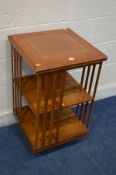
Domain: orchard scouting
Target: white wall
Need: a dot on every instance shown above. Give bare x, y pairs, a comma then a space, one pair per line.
93, 19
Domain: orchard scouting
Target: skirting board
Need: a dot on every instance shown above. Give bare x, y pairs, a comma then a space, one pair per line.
6, 117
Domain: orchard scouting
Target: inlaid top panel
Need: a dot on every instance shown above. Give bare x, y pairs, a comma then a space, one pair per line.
53, 45
55, 49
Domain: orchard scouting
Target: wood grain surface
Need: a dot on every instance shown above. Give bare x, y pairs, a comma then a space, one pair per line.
55, 49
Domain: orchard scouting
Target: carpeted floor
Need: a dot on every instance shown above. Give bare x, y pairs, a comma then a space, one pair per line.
94, 155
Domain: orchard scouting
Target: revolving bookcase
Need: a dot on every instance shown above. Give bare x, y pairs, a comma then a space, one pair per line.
51, 91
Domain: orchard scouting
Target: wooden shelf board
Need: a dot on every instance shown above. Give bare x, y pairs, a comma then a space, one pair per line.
70, 128
73, 93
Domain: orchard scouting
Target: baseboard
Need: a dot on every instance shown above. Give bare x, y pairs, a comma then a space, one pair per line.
106, 91
7, 118
5, 112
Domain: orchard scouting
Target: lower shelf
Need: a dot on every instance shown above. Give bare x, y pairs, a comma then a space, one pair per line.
70, 128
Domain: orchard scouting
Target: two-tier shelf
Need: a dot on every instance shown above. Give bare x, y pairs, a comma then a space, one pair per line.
47, 118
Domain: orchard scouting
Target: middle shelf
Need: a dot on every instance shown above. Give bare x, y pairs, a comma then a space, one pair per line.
73, 93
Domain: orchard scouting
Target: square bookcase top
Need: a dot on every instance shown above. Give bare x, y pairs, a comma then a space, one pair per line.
54, 50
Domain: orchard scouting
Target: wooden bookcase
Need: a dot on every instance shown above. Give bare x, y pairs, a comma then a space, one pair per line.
47, 119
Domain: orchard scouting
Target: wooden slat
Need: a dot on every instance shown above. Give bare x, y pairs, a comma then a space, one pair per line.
97, 79
20, 94
47, 85
82, 77
54, 86
37, 121
13, 90
85, 87
62, 79
87, 77
94, 92
15, 82
91, 80
85, 112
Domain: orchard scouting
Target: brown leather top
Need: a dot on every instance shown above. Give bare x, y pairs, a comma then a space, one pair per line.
55, 49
